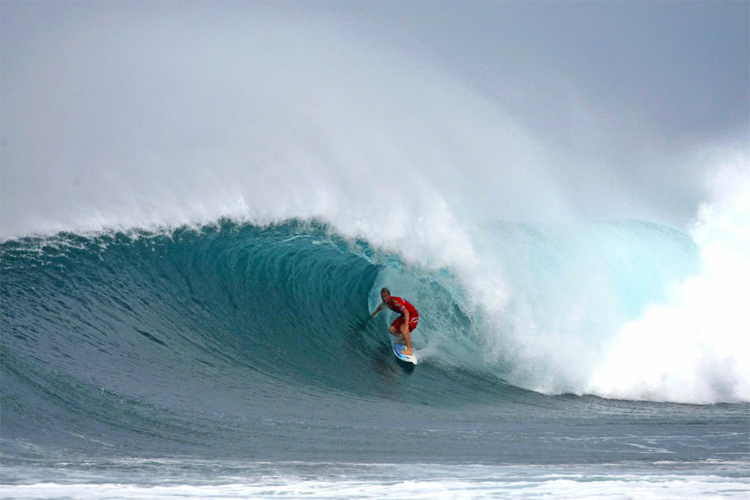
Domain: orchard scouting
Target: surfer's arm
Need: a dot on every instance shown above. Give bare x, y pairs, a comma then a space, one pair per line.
380, 307
405, 326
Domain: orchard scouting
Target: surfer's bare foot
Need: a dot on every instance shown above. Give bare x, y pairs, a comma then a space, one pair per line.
407, 352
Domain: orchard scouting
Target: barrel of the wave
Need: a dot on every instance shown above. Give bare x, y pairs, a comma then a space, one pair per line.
401, 328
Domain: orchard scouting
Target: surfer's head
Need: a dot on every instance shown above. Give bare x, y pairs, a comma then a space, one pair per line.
385, 294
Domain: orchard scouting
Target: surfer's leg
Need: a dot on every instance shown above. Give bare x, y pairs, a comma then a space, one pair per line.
395, 328
408, 350
406, 330
397, 334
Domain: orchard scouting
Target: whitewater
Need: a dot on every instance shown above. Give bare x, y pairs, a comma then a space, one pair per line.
185, 309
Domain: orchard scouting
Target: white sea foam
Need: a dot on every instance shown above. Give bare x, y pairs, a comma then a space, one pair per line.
553, 312
407, 482
696, 347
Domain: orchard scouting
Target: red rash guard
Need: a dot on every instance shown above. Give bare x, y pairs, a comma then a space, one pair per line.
397, 304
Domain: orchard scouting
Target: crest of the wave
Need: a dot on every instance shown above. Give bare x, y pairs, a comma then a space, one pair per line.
696, 347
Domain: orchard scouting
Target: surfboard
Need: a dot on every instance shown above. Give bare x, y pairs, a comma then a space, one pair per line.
397, 348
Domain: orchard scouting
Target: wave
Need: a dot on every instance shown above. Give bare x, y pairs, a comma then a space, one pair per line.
288, 305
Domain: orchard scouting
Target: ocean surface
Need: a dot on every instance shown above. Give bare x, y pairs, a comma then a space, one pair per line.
238, 360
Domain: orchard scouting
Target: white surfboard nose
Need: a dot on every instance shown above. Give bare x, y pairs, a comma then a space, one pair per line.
398, 349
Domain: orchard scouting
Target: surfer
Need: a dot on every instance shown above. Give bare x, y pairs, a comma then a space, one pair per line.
405, 323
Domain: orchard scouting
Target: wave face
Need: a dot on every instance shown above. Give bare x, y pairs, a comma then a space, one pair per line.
133, 309
292, 302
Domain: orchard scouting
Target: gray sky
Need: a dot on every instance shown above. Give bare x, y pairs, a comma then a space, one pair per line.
595, 109
686, 62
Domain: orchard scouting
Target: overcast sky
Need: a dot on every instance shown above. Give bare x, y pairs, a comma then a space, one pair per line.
687, 62
626, 92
